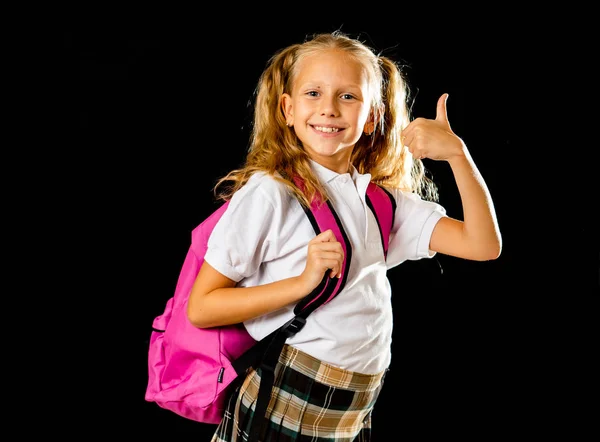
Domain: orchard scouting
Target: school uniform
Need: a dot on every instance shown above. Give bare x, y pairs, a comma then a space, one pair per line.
331, 372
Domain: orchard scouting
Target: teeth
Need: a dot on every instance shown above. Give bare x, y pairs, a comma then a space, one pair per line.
327, 129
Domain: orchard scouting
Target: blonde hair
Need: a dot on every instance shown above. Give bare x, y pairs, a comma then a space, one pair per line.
275, 149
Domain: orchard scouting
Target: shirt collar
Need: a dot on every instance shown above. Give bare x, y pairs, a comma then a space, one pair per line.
326, 175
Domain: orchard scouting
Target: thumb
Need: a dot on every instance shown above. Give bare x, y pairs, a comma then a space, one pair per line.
442, 113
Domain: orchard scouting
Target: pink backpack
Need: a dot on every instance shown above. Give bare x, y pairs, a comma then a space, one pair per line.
191, 370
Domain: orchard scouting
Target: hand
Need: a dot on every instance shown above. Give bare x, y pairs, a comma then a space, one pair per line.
325, 254
433, 139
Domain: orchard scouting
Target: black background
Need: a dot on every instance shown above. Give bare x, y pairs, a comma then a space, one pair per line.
164, 110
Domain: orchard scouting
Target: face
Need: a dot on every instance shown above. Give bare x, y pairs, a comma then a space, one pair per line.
328, 107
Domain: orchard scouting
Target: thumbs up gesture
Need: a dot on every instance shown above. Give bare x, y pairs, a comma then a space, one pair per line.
434, 139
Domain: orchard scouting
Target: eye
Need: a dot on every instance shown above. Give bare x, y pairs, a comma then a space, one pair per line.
313, 93
348, 97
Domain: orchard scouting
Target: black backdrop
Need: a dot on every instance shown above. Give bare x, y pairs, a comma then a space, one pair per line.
164, 111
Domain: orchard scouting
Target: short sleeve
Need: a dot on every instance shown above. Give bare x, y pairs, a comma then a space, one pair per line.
242, 238
414, 222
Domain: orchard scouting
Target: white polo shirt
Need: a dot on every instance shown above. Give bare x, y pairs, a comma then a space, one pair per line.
263, 237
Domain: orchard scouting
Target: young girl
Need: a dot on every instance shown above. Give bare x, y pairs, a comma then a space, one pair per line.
335, 114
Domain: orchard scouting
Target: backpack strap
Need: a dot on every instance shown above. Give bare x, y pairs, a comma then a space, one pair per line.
265, 353
322, 216
383, 205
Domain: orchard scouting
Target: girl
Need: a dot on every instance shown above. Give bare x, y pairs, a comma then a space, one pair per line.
334, 113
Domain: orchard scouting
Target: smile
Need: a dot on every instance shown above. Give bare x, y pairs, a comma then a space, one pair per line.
328, 130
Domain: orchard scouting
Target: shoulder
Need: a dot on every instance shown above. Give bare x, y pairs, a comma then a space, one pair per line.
408, 203
404, 196
261, 193
262, 185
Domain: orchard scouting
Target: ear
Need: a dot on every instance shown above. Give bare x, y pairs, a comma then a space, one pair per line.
372, 120
370, 124
286, 107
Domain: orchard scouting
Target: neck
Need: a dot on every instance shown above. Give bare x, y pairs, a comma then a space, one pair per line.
339, 165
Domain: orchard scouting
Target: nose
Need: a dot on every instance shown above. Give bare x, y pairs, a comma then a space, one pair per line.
329, 106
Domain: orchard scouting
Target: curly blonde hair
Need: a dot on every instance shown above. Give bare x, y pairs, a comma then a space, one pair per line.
275, 149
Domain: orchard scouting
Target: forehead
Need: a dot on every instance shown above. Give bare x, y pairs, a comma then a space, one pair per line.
329, 67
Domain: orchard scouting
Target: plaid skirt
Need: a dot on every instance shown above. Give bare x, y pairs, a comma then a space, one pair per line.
310, 401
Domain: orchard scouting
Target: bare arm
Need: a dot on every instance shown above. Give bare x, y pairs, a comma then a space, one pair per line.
478, 236
215, 300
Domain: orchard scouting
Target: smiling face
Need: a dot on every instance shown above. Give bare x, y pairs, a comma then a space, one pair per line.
328, 107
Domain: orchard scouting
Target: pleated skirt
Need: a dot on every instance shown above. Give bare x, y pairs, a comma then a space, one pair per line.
310, 401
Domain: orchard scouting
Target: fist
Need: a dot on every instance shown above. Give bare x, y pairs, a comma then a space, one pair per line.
325, 255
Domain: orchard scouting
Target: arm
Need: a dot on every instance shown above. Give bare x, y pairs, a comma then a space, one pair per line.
215, 300
478, 236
